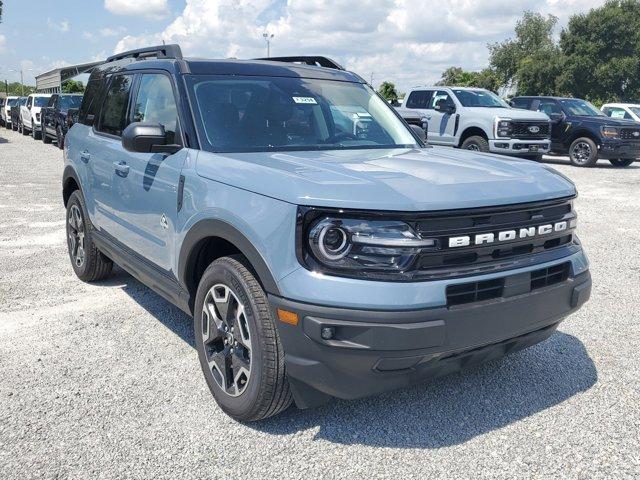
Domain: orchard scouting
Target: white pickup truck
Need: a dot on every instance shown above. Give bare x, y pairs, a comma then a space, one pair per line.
477, 119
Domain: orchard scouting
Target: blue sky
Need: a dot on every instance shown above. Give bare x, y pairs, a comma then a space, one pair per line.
404, 41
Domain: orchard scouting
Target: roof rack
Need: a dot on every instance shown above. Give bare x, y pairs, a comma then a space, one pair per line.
160, 51
313, 61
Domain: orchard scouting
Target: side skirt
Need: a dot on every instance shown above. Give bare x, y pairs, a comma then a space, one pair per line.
144, 271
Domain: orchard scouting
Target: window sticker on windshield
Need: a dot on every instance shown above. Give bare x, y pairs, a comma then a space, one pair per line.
307, 100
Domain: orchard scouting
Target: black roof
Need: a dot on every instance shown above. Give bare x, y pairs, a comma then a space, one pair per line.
169, 57
549, 97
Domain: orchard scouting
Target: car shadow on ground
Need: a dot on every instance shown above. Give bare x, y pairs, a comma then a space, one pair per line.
441, 412
600, 164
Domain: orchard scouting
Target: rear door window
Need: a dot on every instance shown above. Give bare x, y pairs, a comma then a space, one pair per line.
113, 116
419, 99
523, 103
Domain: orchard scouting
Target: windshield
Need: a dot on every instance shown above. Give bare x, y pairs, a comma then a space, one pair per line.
479, 98
635, 110
12, 102
70, 101
573, 106
253, 114
22, 101
40, 101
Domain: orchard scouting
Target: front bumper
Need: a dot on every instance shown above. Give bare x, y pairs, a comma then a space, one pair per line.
520, 147
619, 149
373, 351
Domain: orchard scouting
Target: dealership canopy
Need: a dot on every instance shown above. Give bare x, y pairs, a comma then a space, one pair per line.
51, 81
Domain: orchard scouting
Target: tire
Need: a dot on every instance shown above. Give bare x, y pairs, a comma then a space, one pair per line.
44, 136
583, 152
23, 130
34, 131
14, 126
251, 389
59, 137
476, 143
90, 264
621, 162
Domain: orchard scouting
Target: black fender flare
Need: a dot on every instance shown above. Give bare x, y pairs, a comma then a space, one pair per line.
218, 228
69, 173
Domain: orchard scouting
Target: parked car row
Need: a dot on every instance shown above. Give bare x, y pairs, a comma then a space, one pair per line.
477, 119
43, 116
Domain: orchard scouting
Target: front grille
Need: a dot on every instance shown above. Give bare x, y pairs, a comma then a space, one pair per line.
549, 276
446, 261
472, 292
630, 134
521, 130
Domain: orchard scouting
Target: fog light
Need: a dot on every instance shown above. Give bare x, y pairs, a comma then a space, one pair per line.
327, 333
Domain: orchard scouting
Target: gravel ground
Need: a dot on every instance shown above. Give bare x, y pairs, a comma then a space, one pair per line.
102, 381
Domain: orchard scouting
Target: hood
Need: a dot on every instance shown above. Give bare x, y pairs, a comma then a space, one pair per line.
605, 120
435, 178
513, 113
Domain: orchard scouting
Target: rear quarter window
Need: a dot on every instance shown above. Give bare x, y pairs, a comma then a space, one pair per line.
91, 98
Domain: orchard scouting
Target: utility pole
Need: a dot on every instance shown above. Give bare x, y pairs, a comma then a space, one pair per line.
267, 38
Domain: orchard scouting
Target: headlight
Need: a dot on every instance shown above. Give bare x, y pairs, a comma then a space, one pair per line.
610, 132
503, 128
343, 245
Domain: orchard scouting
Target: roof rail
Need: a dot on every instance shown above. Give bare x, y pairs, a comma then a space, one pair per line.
159, 51
314, 61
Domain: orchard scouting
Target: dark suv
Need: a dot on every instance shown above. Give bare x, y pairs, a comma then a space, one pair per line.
583, 132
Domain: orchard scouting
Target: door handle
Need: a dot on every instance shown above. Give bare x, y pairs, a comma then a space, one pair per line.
122, 169
85, 156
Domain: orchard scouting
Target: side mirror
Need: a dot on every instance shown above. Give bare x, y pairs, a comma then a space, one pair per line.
147, 138
556, 117
447, 109
420, 132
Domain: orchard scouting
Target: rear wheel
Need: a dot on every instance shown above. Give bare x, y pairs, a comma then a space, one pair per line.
583, 152
238, 344
621, 162
89, 263
23, 129
476, 143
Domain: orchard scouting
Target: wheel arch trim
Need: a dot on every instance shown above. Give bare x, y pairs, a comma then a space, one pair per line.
214, 228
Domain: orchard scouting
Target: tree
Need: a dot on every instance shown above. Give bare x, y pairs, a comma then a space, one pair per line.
72, 86
457, 77
602, 53
388, 91
0, 11
15, 88
517, 61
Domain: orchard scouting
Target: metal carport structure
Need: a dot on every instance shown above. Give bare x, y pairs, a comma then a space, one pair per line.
51, 81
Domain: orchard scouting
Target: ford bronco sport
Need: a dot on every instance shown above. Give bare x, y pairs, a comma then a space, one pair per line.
322, 249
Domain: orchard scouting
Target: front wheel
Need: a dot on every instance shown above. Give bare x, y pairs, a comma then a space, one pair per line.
23, 129
583, 152
621, 162
89, 263
238, 344
476, 144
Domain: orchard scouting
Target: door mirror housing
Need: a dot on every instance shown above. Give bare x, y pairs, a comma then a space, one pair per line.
556, 117
143, 137
420, 132
446, 108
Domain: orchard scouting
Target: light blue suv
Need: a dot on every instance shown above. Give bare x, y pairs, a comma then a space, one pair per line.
322, 248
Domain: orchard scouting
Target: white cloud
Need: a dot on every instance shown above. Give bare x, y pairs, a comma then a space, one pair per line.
3, 42
87, 35
62, 26
153, 9
404, 41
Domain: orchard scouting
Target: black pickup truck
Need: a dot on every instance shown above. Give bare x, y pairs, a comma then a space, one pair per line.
583, 132
54, 116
